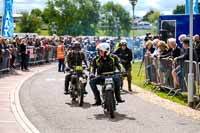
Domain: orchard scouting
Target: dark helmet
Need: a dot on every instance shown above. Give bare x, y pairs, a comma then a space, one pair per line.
77, 45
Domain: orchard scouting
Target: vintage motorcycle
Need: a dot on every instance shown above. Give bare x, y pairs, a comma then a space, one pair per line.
77, 84
108, 93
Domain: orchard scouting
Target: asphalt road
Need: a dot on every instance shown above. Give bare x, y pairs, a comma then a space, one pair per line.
51, 111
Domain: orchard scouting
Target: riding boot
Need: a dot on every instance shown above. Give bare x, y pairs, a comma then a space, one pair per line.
118, 96
97, 98
66, 85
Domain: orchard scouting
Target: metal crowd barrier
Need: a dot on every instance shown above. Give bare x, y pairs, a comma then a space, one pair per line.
159, 73
151, 67
35, 55
41, 54
166, 67
5, 60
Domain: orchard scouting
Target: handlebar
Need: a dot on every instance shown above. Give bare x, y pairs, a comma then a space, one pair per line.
107, 74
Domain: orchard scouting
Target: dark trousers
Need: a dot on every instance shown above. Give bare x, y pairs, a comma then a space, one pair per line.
129, 77
12, 61
67, 80
23, 62
61, 65
94, 82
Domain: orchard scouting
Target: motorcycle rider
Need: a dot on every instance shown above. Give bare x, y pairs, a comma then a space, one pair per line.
125, 55
75, 57
105, 62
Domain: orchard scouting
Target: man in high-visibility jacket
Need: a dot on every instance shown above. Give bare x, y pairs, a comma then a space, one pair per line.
61, 56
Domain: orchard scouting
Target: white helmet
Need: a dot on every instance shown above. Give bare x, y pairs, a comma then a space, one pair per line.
123, 42
108, 41
104, 47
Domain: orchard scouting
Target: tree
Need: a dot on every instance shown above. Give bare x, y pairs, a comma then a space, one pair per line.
146, 16
37, 12
180, 9
29, 23
154, 17
88, 15
115, 19
78, 17
50, 14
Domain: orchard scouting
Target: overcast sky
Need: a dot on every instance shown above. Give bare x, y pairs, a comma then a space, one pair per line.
143, 6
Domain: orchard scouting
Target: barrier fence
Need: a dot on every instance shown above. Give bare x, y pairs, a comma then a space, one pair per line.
35, 55
159, 72
4, 60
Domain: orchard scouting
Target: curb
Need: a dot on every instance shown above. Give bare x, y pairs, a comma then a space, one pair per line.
17, 108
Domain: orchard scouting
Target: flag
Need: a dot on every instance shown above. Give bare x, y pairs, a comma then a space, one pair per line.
187, 7
195, 7
7, 20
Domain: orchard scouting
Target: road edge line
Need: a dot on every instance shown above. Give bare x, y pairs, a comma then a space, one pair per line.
16, 107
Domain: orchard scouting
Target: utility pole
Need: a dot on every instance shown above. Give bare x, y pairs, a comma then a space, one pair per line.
191, 74
133, 3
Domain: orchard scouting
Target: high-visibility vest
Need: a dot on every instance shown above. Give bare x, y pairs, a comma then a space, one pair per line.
60, 52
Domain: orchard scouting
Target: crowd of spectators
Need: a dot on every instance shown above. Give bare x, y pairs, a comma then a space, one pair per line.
15, 52
157, 49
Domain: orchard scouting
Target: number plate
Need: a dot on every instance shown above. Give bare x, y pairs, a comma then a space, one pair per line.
78, 68
108, 81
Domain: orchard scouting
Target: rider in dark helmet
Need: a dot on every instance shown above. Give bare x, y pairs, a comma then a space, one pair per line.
75, 57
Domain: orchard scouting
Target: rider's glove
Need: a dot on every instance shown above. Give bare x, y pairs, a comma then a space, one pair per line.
123, 70
67, 69
123, 61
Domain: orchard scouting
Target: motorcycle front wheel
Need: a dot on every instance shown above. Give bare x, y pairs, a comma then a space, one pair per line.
110, 103
81, 96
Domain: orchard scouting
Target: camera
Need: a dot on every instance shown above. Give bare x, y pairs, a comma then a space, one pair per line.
147, 37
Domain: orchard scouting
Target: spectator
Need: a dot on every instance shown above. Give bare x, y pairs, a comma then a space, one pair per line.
155, 43
1, 50
162, 52
183, 56
149, 47
181, 38
148, 54
175, 51
23, 53
13, 51
196, 41
37, 43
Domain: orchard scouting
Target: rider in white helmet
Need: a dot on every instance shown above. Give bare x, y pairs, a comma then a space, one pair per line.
125, 55
104, 47
104, 62
123, 42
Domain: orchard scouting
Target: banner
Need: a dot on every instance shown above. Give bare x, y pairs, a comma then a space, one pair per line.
7, 19
195, 7
187, 7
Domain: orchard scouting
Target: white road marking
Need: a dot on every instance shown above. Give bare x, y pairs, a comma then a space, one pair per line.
7, 121
54, 79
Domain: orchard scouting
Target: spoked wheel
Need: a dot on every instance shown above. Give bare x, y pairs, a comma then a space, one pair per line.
110, 103
73, 100
81, 97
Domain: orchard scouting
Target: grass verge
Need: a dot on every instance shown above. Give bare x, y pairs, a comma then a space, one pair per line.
139, 80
